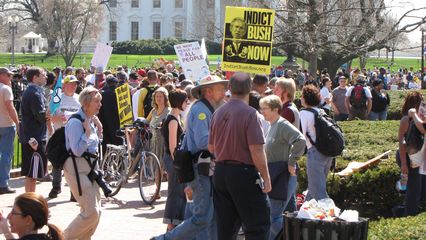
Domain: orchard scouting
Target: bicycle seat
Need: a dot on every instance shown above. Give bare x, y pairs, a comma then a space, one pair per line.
120, 133
141, 122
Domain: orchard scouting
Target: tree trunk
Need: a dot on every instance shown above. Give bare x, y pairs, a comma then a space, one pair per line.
51, 50
313, 65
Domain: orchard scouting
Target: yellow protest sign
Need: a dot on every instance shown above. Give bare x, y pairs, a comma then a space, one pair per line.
124, 104
247, 46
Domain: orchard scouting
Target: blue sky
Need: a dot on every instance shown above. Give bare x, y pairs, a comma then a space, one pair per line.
398, 7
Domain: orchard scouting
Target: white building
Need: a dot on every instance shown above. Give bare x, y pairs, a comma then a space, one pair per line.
31, 43
159, 19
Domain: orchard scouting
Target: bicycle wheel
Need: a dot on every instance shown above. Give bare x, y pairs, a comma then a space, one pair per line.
150, 178
114, 170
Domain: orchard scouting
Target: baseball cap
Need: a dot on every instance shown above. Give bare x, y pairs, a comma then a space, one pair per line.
70, 79
5, 70
142, 72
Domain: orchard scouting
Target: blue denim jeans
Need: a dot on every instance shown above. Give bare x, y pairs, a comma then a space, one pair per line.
290, 204
317, 168
175, 204
373, 116
278, 207
202, 223
277, 221
7, 136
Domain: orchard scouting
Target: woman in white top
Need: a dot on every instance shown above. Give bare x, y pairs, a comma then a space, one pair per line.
326, 95
317, 164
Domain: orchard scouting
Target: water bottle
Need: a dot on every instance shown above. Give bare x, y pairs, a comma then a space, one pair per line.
401, 185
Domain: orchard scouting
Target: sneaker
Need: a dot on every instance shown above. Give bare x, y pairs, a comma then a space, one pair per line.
7, 190
54, 192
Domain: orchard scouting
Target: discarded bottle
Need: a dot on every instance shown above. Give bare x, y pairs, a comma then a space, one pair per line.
401, 185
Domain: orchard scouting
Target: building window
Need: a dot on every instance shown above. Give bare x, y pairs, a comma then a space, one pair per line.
135, 4
135, 31
113, 31
179, 30
178, 3
113, 3
156, 4
156, 30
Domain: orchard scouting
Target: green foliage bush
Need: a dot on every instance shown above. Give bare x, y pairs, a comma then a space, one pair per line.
398, 228
158, 46
372, 192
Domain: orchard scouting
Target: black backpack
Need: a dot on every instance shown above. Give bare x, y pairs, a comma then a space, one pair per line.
147, 102
56, 151
358, 98
329, 136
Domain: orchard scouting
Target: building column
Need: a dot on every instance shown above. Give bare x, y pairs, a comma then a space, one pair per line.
189, 19
218, 18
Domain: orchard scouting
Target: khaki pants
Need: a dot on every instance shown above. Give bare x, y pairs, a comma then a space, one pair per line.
84, 224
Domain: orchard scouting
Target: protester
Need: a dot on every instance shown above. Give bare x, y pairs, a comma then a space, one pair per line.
380, 102
326, 95
145, 95
161, 108
9, 124
80, 74
260, 84
172, 131
68, 105
338, 100
210, 93
415, 180
358, 100
284, 145
317, 164
34, 127
108, 113
29, 214
82, 139
286, 89
236, 178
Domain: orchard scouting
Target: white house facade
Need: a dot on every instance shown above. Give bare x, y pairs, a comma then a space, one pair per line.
158, 19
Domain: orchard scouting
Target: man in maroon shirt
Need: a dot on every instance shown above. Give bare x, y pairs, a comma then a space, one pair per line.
236, 139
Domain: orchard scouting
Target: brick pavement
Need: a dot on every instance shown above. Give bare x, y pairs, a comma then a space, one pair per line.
124, 216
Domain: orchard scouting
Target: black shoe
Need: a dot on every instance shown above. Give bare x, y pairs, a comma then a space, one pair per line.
47, 178
72, 198
7, 190
54, 192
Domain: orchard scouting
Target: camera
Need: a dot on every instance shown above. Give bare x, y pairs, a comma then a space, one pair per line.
96, 175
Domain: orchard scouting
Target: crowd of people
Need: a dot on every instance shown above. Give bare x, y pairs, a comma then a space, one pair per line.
245, 136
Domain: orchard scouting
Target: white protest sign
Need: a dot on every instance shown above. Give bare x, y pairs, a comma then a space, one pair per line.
192, 61
101, 55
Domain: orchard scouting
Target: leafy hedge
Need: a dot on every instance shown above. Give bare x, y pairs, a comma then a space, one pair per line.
164, 47
372, 192
396, 101
398, 228
158, 46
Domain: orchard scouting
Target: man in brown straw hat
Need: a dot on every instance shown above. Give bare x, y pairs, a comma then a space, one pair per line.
210, 93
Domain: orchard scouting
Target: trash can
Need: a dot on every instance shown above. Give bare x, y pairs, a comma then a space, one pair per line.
308, 229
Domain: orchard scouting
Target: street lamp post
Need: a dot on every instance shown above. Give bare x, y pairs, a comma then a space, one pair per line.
423, 30
13, 29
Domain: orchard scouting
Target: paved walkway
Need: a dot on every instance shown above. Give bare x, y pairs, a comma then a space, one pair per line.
124, 216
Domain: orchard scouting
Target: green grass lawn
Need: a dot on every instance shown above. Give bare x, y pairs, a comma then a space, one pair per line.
83, 60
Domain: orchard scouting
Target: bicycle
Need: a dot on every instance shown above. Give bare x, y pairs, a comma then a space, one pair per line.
120, 163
